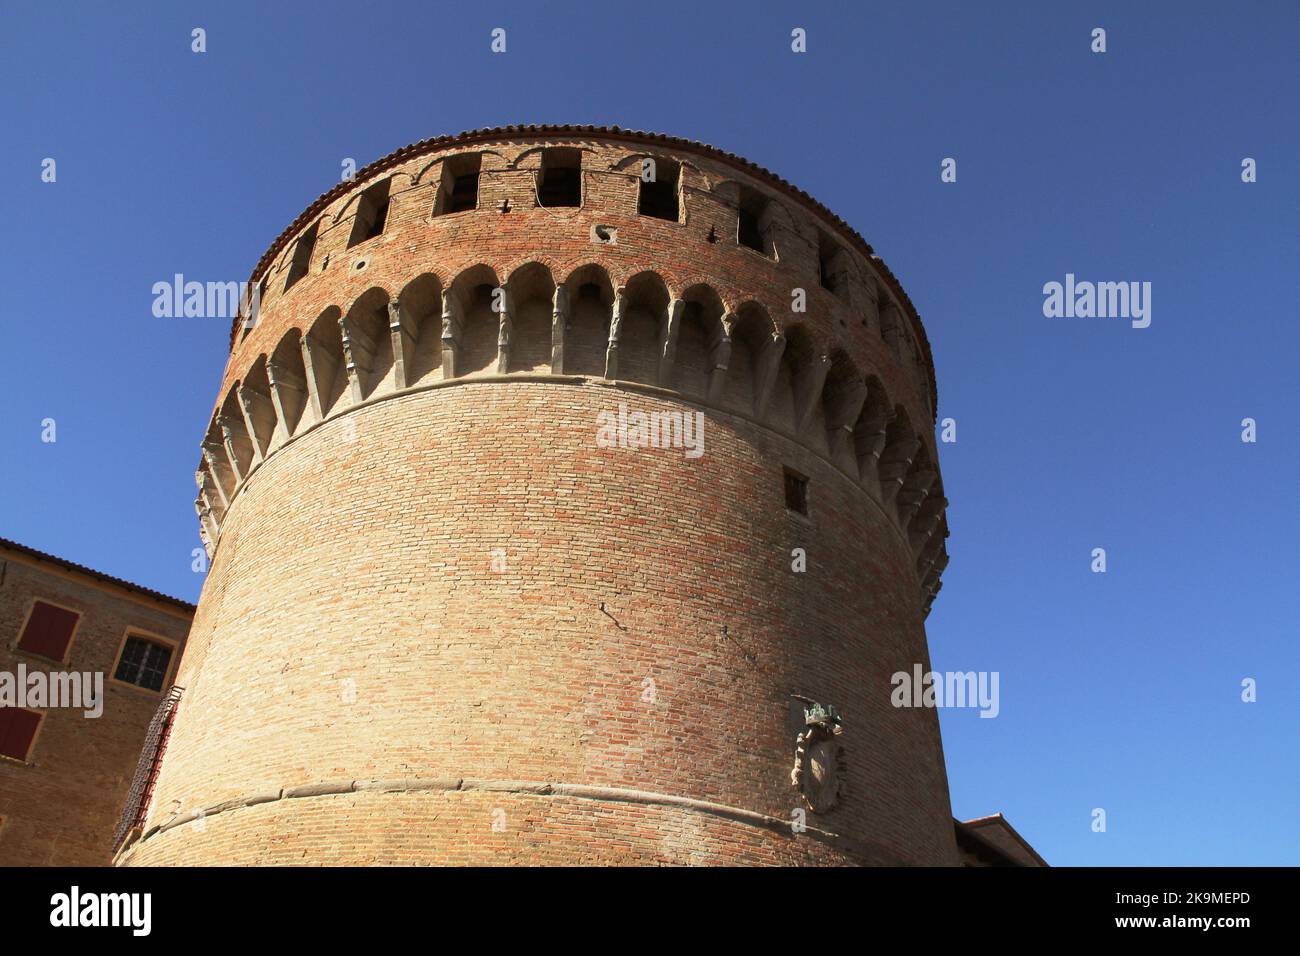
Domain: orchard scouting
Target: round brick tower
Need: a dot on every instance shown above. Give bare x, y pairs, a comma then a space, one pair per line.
571, 497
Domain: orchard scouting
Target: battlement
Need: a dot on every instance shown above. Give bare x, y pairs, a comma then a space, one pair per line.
548, 254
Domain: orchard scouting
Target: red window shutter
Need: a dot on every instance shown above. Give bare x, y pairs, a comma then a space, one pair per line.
17, 731
48, 631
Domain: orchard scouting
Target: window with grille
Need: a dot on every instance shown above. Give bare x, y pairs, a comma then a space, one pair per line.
144, 663
796, 492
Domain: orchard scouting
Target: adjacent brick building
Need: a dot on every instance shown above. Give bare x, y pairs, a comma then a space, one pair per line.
64, 776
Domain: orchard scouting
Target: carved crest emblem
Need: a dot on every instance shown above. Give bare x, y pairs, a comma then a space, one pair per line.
819, 759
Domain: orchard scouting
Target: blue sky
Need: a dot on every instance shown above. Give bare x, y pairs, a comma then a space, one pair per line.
1118, 690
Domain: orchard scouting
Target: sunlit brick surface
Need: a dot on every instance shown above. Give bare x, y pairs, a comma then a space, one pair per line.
358, 623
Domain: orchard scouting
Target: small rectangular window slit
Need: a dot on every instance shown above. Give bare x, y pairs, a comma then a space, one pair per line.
796, 492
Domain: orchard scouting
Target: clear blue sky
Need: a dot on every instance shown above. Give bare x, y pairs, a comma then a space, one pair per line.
1118, 691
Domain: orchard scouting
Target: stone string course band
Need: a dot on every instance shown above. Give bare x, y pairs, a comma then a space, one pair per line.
858, 848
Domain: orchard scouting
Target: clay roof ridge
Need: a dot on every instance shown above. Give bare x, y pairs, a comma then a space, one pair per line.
6, 544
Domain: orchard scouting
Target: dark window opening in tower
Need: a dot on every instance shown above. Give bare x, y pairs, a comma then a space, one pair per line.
252, 308
560, 181
458, 191
749, 231
372, 213
658, 198
301, 256
831, 279
796, 492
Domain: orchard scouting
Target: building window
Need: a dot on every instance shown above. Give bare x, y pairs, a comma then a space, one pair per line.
301, 256
48, 631
372, 213
560, 181
796, 492
143, 663
18, 727
658, 198
458, 191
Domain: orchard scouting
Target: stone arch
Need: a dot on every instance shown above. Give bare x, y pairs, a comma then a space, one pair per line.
260, 420
588, 295
438, 160
901, 446
288, 380
476, 329
701, 344
234, 435
638, 334
842, 397
791, 377
920, 479
927, 533
322, 357
753, 342
531, 297
367, 346
212, 500
418, 339
870, 432
217, 458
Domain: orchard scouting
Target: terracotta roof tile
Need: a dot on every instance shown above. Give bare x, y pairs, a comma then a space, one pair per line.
7, 545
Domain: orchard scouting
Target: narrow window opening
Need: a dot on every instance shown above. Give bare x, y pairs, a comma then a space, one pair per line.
458, 191
827, 273
796, 492
301, 257
143, 663
560, 181
749, 231
252, 309
372, 213
659, 197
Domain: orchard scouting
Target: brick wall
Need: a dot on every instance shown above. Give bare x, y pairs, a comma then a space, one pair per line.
646, 632
60, 808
